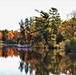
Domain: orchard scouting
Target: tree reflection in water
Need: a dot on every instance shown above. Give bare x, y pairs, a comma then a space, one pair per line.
24, 66
21, 66
42, 61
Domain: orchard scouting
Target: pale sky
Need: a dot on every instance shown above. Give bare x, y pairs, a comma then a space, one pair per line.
12, 11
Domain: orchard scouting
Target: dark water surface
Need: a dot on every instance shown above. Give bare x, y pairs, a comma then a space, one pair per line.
21, 61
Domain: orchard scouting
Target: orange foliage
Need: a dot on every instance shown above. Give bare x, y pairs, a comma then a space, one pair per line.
34, 34
10, 35
26, 36
33, 61
1, 35
26, 31
16, 33
10, 52
40, 52
16, 53
61, 28
26, 55
27, 41
0, 52
40, 43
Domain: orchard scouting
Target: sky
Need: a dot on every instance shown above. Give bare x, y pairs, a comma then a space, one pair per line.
12, 11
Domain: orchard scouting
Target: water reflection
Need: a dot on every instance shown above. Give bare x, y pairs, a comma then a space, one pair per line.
26, 67
21, 66
9, 66
42, 62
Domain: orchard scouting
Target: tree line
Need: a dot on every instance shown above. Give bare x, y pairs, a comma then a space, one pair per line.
45, 30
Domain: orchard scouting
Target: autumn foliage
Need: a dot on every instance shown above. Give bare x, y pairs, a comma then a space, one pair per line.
1, 35
16, 33
0, 52
10, 52
10, 35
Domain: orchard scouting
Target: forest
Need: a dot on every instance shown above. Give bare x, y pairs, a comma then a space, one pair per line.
44, 31
52, 39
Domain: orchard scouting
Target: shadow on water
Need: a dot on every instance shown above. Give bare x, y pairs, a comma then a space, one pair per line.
42, 62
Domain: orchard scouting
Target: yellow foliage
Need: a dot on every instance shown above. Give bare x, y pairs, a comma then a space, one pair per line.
56, 45
49, 29
61, 28
53, 37
62, 45
64, 64
74, 64
55, 52
62, 54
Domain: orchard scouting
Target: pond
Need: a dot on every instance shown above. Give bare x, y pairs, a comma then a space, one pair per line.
20, 61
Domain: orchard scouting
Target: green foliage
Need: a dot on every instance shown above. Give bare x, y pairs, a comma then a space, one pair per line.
71, 44
48, 23
48, 29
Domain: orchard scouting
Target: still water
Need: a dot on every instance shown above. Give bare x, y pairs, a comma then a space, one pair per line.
9, 66
10, 62
20, 61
